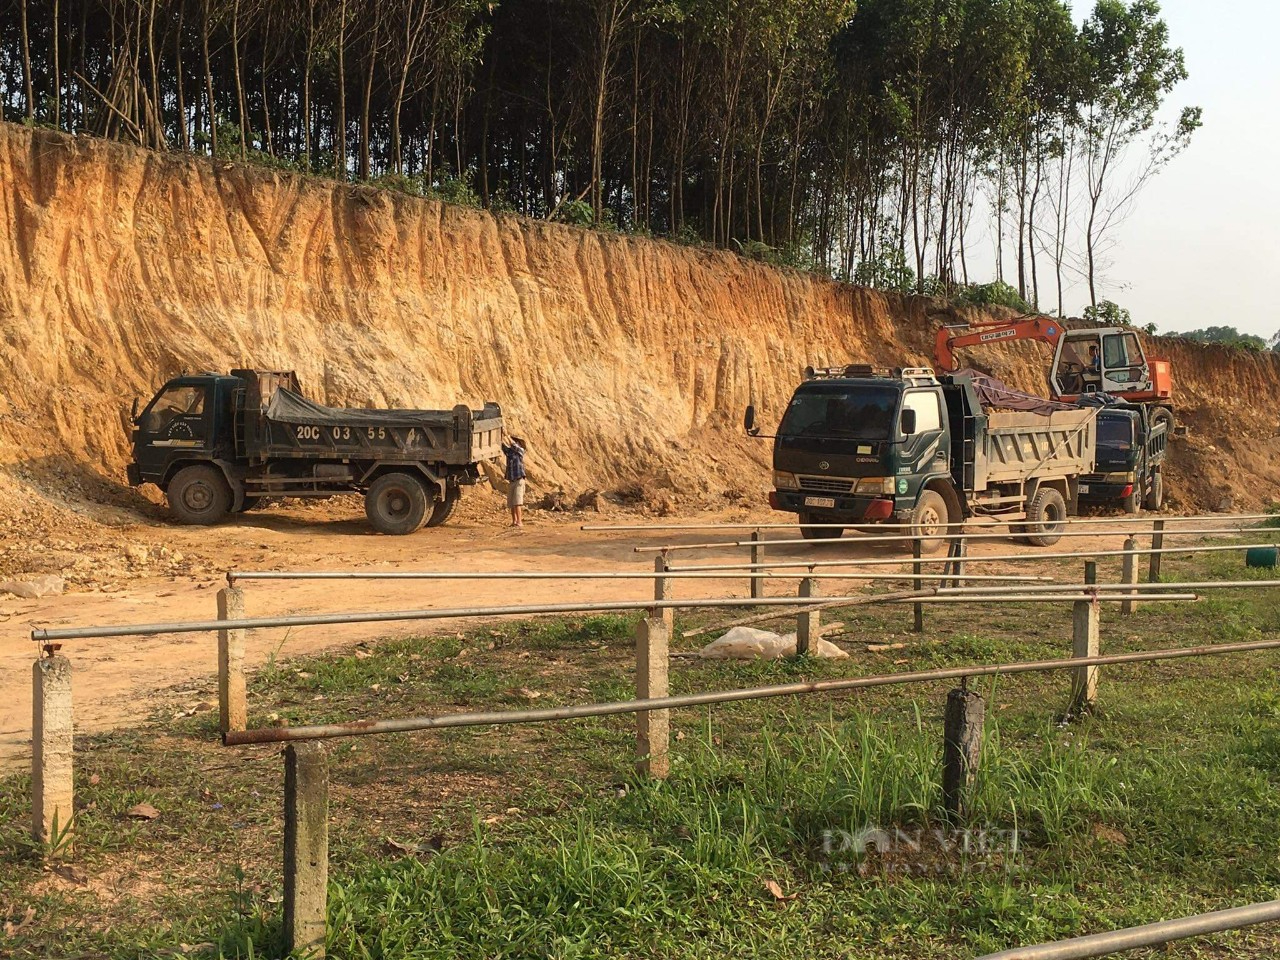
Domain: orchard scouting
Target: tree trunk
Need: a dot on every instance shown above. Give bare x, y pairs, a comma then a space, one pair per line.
26, 64
208, 81
57, 71
340, 152
241, 103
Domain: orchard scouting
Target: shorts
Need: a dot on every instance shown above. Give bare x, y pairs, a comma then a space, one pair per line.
515, 494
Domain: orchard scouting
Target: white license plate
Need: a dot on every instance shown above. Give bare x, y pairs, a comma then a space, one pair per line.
820, 502
1084, 488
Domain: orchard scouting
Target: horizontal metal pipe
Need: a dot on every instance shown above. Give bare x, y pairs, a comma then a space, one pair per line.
357, 728
1107, 587
972, 558
459, 613
391, 616
1070, 521
235, 576
1148, 935
899, 538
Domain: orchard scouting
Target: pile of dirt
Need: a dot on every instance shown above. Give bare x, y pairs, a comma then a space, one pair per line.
625, 362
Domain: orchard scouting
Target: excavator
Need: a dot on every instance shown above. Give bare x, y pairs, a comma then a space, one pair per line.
1106, 360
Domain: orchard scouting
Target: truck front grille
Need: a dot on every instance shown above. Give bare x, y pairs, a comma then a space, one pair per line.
827, 484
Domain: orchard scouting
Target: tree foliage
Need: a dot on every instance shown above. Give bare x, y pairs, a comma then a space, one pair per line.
1225, 335
859, 138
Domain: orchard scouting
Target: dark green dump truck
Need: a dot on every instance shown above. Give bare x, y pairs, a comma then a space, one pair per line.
858, 446
1130, 461
218, 444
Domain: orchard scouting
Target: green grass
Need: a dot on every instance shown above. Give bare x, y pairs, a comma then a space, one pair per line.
537, 841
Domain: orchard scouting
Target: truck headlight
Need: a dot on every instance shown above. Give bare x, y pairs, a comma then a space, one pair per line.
876, 485
785, 481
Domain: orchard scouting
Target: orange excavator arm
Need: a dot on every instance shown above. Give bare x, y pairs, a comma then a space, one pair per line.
949, 339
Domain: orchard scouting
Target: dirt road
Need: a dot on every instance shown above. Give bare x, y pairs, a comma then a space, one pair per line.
154, 572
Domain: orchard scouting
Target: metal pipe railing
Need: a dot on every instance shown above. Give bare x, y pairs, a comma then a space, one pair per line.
949, 537
459, 613
234, 576
357, 728
1070, 521
1148, 935
971, 558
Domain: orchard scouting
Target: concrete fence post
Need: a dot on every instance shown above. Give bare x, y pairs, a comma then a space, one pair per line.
1129, 575
961, 751
653, 727
808, 624
662, 591
917, 584
1157, 543
52, 777
757, 553
306, 847
233, 710
1084, 643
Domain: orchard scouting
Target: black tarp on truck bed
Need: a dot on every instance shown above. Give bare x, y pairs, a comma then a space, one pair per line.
285, 406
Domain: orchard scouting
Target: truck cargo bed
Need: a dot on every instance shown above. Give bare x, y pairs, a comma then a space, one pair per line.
1017, 446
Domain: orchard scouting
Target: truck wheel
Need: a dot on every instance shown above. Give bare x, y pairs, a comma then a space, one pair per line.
442, 510
199, 494
396, 503
1162, 415
929, 521
1155, 496
819, 533
1045, 517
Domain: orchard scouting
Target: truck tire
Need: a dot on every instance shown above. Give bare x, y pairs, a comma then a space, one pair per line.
442, 510
199, 495
1155, 496
819, 533
1162, 415
1132, 504
250, 503
396, 503
1045, 518
929, 521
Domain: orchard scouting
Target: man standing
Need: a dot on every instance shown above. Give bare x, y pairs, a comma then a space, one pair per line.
513, 449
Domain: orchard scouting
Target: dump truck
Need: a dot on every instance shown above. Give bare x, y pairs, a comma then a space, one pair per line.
860, 446
1130, 459
219, 444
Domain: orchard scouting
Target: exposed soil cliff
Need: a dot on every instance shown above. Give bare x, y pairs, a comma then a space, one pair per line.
623, 360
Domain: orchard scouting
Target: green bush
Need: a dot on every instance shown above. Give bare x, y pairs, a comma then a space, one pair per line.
997, 293
887, 270
1109, 314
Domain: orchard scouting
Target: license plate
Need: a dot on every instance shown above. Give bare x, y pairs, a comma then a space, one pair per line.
820, 502
1084, 488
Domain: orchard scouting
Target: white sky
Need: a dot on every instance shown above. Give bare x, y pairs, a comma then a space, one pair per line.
1202, 246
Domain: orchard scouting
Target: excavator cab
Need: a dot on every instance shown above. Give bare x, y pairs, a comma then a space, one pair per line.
1106, 360
1095, 360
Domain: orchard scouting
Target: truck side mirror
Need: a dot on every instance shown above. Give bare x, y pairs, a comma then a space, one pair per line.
133, 412
908, 422
749, 421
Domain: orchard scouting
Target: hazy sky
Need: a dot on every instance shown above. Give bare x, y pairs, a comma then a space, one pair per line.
1202, 246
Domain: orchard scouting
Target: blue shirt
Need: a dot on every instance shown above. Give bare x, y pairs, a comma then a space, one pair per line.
515, 462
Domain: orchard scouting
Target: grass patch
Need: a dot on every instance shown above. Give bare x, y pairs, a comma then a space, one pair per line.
536, 841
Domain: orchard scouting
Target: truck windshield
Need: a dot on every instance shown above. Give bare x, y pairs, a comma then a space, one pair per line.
843, 411
1115, 432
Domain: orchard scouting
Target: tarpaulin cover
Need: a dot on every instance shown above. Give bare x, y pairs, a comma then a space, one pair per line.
993, 394
286, 406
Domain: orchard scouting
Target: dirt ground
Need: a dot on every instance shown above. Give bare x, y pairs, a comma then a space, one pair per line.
143, 570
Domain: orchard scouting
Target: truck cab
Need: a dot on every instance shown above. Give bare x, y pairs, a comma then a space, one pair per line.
189, 420
853, 446
1131, 453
